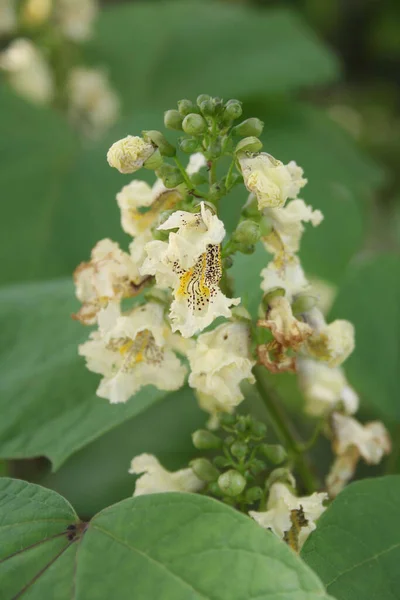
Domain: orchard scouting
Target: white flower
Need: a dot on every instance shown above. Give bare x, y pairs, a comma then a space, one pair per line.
331, 343
129, 154
270, 180
93, 104
130, 351
286, 329
196, 162
75, 18
8, 16
219, 362
325, 293
287, 224
190, 263
352, 441
139, 195
281, 519
110, 275
325, 388
155, 479
28, 72
284, 272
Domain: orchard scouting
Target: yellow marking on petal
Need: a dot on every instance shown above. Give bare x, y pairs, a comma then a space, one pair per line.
125, 347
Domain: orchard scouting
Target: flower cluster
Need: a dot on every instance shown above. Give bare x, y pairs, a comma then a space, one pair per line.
91, 103
165, 313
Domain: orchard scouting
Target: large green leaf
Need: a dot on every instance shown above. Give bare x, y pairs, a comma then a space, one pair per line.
184, 546
48, 402
159, 54
369, 297
356, 547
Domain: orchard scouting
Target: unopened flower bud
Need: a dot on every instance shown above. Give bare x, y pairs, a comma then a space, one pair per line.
170, 176
188, 145
253, 494
194, 124
249, 127
303, 303
214, 489
232, 483
203, 98
221, 462
205, 440
275, 453
233, 110
283, 475
154, 162
248, 144
207, 107
158, 139
204, 469
218, 104
257, 466
198, 178
278, 291
217, 190
247, 232
214, 148
129, 154
246, 248
227, 419
186, 107
250, 209
173, 119
258, 429
239, 449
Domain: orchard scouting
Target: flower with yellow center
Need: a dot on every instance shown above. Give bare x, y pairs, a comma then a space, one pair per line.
130, 351
190, 263
269, 179
154, 479
290, 517
129, 154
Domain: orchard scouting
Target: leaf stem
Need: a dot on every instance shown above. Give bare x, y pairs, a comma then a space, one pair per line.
283, 429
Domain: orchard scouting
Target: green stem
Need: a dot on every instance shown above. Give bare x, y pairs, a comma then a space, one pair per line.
283, 430
229, 175
187, 180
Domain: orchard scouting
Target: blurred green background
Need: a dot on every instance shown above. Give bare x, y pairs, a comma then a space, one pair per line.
324, 76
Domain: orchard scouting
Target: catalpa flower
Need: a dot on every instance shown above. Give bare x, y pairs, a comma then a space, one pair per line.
154, 479
287, 225
129, 154
271, 181
130, 351
28, 71
286, 329
290, 517
75, 18
110, 275
190, 263
331, 343
284, 272
324, 388
219, 362
352, 441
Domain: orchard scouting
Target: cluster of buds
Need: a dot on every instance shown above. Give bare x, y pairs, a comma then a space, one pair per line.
37, 34
155, 307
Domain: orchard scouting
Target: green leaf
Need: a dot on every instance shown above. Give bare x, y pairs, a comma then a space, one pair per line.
180, 50
369, 298
188, 546
47, 396
355, 548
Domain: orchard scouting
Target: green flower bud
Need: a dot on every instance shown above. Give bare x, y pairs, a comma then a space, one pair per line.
226, 419
204, 469
265, 226
247, 232
229, 440
283, 475
188, 145
221, 462
233, 110
194, 124
258, 429
232, 483
239, 449
253, 494
275, 453
207, 108
173, 119
272, 294
158, 139
198, 179
217, 190
203, 98
257, 466
246, 248
205, 440
214, 489
170, 176
228, 262
250, 209
214, 149
249, 144
154, 162
303, 303
218, 104
186, 107
248, 127
243, 423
